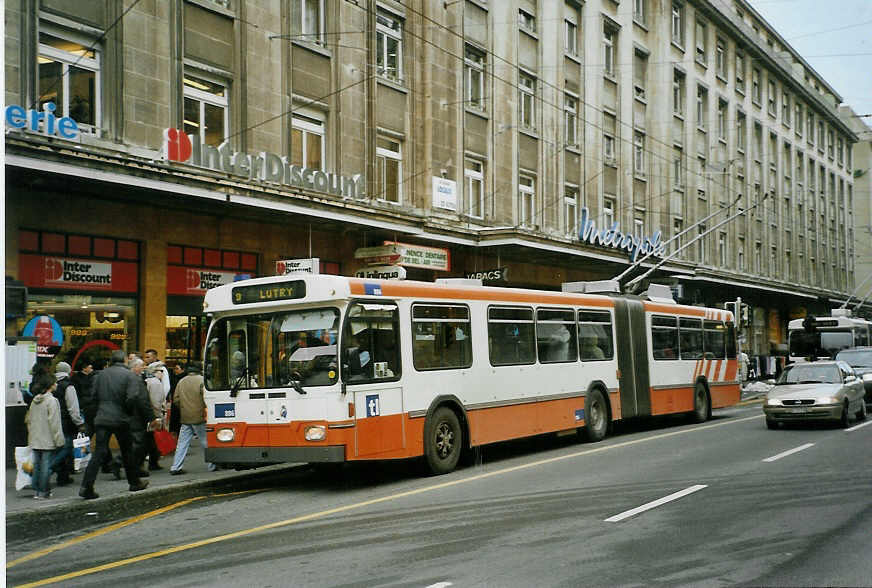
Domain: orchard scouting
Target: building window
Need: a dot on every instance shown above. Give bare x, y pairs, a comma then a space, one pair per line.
740, 255
69, 76
678, 93
701, 252
639, 153
701, 107
771, 99
677, 168
756, 91
785, 108
830, 144
389, 46
527, 101
640, 74
570, 116
389, 169
474, 176
677, 229
740, 72
570, 38
313, 27
206, 111
474, 63
639, 228
820, 136
608, 212
797, 110
722, 249
526, 21
678, 24
758, 255
608, 51
570, 209
722, 120
640, 11
609, 139
526, 201
741, 130
840, 151
307, 141
721, 59
701, 42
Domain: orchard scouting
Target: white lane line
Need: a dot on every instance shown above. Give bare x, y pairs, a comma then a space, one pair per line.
655, 504
440, 585
788, 452
860, 426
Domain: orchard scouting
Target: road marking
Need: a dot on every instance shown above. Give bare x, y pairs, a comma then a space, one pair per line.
114, 527
860, 426
654, 504
440, 585
788, 452
358, 505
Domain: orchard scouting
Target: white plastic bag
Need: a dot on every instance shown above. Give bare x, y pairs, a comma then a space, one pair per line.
81, 452
24, 464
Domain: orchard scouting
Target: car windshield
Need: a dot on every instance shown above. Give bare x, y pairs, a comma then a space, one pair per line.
810, 374
857, 358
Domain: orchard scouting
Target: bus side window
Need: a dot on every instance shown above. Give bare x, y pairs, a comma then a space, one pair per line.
595, 335
664, 337
370, 343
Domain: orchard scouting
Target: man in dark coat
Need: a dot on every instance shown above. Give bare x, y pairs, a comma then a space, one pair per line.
117, 393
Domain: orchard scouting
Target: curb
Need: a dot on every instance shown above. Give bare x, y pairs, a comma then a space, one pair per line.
78, 513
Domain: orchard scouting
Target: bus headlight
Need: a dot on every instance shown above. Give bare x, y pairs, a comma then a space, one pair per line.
225, 435
316, 433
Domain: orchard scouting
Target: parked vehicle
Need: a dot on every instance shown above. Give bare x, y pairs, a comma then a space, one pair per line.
860, 358
815, 391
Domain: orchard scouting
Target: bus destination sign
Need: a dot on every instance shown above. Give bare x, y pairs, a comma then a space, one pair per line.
269, 292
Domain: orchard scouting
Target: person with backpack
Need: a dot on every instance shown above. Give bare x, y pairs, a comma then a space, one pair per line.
71, 422
44, 432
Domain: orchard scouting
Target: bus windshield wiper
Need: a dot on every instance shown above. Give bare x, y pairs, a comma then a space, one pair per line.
296, 378
237, 384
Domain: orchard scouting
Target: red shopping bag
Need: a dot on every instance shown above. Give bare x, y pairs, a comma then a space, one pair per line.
165, 441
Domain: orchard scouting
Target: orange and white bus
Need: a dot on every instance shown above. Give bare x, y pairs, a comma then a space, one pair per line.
317, 368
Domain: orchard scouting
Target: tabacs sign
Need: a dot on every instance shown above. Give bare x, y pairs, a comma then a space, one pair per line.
499, 274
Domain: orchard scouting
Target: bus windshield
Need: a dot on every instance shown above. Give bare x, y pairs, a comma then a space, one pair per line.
820, 343
273, 350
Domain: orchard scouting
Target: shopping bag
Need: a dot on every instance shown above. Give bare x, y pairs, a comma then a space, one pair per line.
165, 441
24, 464
81, 452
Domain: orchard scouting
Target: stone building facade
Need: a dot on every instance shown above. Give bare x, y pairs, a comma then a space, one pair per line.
214, 138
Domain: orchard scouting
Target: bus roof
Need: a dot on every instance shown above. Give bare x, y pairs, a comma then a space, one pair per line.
829, 322
278, 291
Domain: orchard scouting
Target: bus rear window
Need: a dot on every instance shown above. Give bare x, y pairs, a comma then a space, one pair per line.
511, 336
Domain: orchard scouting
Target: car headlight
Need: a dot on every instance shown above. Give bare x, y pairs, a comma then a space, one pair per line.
867, 377
316, 433
225, 435
826, 400
773, 402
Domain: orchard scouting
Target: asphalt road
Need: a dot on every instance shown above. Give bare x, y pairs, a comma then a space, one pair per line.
728, 502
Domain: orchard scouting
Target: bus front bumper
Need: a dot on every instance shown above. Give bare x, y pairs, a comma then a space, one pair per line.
267, 455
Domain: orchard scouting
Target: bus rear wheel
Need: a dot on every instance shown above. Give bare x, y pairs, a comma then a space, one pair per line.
443, 441
596, 416
701, 405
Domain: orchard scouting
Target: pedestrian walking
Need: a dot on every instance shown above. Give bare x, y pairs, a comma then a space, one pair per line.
142, 418
179, 372
151, 357
189, 397
116, 388
157, 397
44, 432
72, 423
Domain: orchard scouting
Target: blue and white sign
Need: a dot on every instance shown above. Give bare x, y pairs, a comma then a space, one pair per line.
612, 237
44, 122
444, 193
372, 405
579, 415
225, 411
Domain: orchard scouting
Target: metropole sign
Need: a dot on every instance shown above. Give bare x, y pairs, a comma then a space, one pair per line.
612, 238
264, 166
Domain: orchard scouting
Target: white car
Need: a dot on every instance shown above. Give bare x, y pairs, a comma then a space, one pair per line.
815, 391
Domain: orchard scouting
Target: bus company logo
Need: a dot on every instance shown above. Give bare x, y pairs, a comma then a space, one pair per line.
78, 272
177, 145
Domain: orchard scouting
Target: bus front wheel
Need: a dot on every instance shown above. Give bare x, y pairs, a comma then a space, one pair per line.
443, 441
596, 416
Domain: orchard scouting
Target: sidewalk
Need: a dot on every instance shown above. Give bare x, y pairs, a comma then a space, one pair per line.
22, 509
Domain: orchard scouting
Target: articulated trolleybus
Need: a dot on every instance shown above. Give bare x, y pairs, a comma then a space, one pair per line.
317, 368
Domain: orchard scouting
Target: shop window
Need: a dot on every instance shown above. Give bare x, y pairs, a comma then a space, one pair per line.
78, 245
128, 250
212, 257
193, 256
53, 243
28, 240
104, 247
249, 261
230, 260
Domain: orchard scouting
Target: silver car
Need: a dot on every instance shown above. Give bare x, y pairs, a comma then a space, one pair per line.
815, 391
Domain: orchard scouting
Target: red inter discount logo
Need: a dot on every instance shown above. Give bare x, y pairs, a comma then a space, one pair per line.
177, 145
54, 268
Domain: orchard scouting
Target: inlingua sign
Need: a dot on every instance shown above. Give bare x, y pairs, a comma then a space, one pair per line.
264, 166
613, 238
